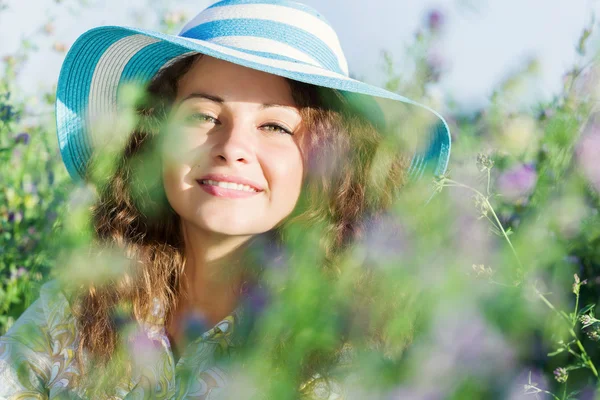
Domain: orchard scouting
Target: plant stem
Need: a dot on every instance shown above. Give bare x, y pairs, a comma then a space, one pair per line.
586, 357
489, 178
576, 308
573, 353
489, 206
571, 324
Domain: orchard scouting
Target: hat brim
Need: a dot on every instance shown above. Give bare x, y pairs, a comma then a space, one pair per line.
104, 58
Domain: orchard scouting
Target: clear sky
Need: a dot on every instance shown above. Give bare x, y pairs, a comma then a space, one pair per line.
483, 41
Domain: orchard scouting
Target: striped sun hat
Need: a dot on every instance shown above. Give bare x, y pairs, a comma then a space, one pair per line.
280, 37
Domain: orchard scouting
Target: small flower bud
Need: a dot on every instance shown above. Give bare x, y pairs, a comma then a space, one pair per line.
484, 162
593, 334
561, 375
586, 319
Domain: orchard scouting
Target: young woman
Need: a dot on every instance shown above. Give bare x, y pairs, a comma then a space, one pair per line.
252, 139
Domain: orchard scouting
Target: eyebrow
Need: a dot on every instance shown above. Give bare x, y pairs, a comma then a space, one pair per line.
219, 100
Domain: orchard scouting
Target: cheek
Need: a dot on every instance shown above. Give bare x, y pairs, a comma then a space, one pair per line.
175, 186
178, 160
286, 170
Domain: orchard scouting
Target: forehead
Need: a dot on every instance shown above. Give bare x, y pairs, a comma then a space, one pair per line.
234, 83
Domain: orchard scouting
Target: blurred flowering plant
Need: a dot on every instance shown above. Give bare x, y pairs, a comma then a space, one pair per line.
472, 286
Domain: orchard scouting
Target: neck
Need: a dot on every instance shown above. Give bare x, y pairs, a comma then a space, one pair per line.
213, 273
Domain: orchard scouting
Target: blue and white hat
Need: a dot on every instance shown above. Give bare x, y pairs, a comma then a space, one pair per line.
281, 37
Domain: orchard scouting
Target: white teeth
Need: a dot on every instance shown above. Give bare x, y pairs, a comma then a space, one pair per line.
229, 185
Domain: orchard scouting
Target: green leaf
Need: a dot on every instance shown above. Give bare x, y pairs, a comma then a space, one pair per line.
585, 309
556, 352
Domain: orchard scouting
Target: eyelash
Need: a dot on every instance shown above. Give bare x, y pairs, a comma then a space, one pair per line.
206, 117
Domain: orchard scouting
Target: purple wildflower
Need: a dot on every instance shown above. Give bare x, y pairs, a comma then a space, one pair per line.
587, 156
141, 343
461, 343
22, 137
30, 187
587, 393
435, 62
384, 239
516, 184
145, 351
19, 272
15, 217
435, 20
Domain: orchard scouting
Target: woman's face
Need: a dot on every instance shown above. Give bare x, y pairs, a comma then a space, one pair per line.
232, 164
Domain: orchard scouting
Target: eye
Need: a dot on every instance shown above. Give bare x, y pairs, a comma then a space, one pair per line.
278, 128
199, 117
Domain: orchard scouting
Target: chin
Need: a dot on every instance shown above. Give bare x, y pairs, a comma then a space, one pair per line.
228, 225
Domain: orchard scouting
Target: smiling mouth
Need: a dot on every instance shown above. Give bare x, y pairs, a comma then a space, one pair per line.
227, 189
228, 185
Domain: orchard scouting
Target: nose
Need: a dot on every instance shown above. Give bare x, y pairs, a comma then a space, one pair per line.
234, 145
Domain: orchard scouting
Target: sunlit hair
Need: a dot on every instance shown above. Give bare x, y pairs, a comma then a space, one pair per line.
133, 214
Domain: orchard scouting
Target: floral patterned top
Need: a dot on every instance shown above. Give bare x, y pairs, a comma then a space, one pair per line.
38, 358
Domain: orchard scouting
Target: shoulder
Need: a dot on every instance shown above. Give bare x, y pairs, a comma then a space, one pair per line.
37, 340
49, 313
55, 303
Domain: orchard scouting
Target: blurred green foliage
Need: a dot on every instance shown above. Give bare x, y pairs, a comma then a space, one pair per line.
501, 270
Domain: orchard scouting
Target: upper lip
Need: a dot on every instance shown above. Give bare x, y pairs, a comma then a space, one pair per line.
232, 179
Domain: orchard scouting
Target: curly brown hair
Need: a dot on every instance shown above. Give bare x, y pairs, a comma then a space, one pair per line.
133, 214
